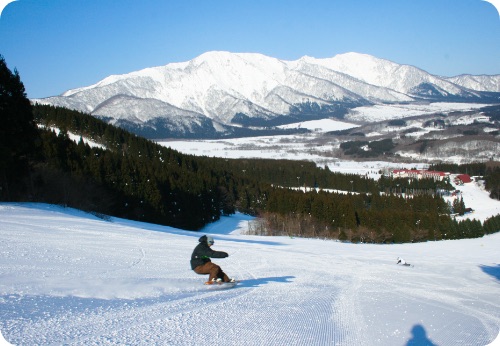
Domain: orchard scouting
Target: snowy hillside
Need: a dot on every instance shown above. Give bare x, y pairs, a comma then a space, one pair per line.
71, 278
229, 89
384, 73
485, 83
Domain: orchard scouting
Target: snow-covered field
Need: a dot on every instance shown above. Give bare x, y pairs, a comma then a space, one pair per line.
70, 278
323, 125
398, 111
293, 147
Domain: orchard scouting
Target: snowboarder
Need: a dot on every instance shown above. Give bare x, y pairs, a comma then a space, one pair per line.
201, 263
403, 262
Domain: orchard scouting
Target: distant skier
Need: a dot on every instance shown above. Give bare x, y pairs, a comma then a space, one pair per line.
403, 262
201, 263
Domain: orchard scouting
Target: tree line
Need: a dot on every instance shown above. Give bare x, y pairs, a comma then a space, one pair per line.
132, 177
376, 218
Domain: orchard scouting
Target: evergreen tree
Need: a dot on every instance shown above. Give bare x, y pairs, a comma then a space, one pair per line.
459, 206
18, 133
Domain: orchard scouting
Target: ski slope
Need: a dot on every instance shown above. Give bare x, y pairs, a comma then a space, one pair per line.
70, 278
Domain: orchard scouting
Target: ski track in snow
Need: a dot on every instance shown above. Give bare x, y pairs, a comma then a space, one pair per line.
70, 278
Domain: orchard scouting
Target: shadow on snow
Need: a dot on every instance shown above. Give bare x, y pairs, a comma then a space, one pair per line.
492, 270
419, 337
264, 281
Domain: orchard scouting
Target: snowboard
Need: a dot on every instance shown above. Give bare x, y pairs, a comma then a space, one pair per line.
221, 285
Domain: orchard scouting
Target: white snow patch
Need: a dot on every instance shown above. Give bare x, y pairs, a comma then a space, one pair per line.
76, 138
399, 111
324, 125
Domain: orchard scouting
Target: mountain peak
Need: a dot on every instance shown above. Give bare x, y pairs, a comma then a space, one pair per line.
252, 88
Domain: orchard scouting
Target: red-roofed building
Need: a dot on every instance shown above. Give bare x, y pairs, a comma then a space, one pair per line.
462, 179
419, 174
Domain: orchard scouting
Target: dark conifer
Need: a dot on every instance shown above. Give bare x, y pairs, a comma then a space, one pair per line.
18, 133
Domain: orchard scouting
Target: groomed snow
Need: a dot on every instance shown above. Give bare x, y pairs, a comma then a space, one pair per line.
70, 278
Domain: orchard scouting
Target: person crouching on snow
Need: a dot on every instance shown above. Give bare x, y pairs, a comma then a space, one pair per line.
403, 262
201, 263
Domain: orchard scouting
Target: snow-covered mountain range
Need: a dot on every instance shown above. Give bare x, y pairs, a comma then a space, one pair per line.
217, 92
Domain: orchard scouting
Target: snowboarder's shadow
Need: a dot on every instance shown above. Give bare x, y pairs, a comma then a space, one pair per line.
263, 281
419, 337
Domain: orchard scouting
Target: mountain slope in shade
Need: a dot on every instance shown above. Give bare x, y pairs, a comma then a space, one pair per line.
217, 90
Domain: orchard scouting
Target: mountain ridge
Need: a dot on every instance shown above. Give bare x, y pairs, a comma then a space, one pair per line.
245, 89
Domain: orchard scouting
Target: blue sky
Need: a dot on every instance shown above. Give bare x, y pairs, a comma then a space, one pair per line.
57, 45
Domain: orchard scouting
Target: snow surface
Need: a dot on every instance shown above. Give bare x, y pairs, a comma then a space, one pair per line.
477, 198
323, 125
388, 112
76, 138
70, 278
